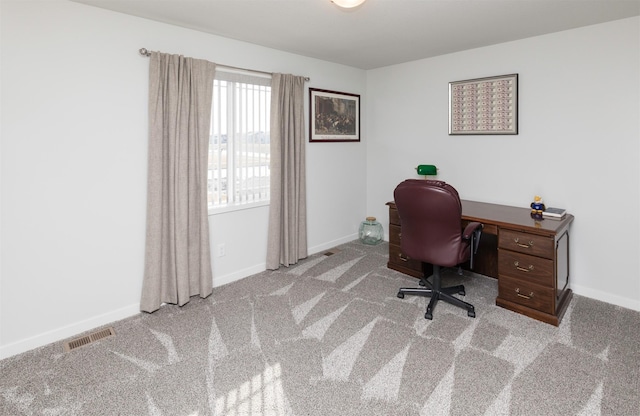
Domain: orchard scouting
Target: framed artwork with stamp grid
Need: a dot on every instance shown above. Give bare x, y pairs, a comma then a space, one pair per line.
484, 105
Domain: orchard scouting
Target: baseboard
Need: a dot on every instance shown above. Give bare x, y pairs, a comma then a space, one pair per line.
259, 268
332, 244
66, 332
241, 274
632, 304
107, 318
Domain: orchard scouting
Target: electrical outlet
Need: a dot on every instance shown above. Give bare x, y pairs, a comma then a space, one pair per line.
222, 250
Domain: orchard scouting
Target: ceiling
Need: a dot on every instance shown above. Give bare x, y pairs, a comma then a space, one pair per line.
379, 32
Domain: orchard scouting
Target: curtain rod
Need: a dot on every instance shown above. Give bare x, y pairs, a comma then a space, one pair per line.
147, 53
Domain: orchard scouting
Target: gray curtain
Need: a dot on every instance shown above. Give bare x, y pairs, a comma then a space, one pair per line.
287, 236
177, 256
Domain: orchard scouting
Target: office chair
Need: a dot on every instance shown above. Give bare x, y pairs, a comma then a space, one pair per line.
431, 226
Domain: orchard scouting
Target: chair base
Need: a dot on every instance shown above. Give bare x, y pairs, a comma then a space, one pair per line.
436, 293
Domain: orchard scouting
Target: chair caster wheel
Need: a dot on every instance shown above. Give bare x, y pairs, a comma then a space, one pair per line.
471, 314
422, 283
462, 293
401, 295
428, 316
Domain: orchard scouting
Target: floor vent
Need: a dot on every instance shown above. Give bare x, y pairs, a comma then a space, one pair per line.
88, 339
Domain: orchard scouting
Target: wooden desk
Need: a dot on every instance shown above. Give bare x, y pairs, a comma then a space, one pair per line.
530, 258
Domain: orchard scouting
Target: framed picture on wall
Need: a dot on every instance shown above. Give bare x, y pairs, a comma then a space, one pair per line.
484, 105
333, 116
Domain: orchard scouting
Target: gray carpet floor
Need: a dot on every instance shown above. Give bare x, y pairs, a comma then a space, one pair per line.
328, 336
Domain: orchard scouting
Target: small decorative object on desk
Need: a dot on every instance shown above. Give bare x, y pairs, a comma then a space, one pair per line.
554, 213
537, 206
370, 231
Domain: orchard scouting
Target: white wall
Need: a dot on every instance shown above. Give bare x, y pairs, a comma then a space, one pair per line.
577, 147
74, 159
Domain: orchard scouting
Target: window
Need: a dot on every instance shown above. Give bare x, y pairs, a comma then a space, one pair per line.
239, 153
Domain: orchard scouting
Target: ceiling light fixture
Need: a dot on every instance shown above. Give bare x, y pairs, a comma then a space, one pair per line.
348, 4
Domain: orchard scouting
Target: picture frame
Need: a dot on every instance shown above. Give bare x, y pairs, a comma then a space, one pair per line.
333, 116
484, 106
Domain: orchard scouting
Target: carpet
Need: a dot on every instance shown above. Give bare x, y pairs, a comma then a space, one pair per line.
328, 336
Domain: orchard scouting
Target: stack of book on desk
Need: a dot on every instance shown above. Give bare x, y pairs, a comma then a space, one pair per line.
554, 213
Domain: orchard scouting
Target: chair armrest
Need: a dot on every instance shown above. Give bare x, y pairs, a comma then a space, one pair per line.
470, 229
472, 233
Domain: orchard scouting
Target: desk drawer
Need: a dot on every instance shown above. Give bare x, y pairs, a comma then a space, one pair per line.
525, 267
486, 228
526, 243
394, 218
398, 258
526, 294
394, 234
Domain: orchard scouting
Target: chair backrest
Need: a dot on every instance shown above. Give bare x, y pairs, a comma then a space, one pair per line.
430, 216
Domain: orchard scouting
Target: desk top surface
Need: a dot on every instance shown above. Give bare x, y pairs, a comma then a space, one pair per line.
507, 216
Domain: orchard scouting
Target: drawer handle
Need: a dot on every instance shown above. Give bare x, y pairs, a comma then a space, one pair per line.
519, 244
403, 257
523, 296
522, 269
